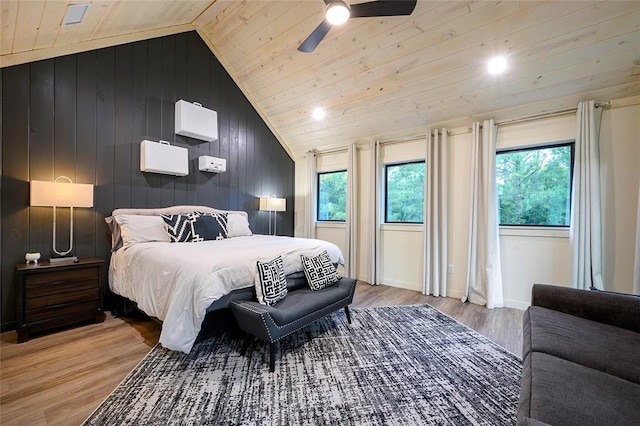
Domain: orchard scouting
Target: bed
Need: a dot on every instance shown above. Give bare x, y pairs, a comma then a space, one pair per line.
179, 282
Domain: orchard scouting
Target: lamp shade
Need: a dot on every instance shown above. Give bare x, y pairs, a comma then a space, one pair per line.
278, 204
60, 194
273, 204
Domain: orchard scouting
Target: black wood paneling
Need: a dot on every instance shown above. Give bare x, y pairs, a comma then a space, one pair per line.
84, 115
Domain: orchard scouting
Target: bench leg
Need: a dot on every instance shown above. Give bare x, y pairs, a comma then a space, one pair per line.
272, 357
245, 344
346, 311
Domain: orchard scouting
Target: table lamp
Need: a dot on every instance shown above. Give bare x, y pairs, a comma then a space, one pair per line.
61, 194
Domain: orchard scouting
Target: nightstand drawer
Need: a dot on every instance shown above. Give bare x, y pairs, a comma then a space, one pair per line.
74, 292
59, 277
60, 288
58, 311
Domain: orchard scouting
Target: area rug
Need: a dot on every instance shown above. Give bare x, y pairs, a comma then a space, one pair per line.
402, 365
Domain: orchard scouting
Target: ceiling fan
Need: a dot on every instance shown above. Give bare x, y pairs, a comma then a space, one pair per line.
338, 12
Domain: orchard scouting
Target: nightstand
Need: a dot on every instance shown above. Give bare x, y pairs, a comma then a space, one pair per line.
50, 296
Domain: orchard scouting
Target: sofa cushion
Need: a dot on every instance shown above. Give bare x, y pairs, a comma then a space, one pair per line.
560, 392
600, 346
304, 302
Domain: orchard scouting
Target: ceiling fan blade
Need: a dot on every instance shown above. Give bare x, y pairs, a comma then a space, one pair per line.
383, 8
315, 37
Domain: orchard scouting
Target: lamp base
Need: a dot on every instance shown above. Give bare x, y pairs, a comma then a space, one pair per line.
63, 259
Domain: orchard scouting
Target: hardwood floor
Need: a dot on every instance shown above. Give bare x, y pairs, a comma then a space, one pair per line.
60, 378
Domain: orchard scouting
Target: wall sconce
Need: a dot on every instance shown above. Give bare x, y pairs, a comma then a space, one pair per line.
273, 204
61, 194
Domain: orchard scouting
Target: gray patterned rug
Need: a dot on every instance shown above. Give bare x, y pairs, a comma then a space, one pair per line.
402, 365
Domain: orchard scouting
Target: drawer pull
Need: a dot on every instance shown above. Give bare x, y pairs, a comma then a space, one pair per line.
57, 282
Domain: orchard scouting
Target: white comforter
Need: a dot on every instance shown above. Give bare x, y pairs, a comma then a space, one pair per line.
176, 282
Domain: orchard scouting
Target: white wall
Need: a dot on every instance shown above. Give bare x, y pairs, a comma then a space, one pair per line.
529, 255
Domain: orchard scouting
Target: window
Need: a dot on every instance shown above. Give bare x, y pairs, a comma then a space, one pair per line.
534, 185
332, 196
404, 192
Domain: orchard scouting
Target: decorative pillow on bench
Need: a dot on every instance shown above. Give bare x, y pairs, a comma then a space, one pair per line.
271, 283
319, 270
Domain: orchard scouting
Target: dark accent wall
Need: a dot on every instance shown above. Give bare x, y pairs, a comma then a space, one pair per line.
84, 115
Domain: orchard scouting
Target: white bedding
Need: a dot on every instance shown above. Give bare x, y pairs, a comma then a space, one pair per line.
176, 282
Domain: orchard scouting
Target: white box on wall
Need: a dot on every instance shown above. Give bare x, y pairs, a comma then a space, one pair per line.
161, 157
212, 164
195, 121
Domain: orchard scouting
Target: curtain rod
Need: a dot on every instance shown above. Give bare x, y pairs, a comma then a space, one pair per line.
410, 138
555, 113
549, 114
329, 151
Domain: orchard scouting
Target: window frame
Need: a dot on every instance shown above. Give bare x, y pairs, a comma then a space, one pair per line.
560, 144
385, 191
318, 174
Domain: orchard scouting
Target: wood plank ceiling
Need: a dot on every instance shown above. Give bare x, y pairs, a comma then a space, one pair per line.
376, 78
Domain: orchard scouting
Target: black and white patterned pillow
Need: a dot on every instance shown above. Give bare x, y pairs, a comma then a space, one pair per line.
271, 284
209, 226
319, 271
178, 227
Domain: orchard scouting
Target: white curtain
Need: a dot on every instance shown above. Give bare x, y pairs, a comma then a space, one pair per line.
436, 206
374, 228
636, 266
585, 234
310, 199
484, 271
351, 222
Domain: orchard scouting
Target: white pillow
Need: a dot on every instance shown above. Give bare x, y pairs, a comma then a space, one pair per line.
238, 225
141, 229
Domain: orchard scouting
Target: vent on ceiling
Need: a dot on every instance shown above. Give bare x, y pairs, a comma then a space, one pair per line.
75, 14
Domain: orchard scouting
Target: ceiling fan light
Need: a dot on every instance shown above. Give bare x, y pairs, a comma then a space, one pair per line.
337, 13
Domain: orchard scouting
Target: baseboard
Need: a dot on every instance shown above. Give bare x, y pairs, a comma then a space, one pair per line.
455, 294
516, 304
401, 284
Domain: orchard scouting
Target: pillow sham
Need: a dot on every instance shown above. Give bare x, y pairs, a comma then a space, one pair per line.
114, 229
271, 283
319, 270
133, 229
179, 227
208, 226
238, 225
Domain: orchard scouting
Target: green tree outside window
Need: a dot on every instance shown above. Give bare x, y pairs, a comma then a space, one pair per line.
534, 185
332, 196
404, 192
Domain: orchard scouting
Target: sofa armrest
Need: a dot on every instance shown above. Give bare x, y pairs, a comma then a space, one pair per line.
616, 309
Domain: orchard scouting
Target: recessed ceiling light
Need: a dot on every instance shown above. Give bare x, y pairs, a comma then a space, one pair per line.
319, 114
75, 14
337, 13
497, 65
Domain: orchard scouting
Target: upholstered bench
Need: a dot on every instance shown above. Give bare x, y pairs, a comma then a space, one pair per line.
300, 307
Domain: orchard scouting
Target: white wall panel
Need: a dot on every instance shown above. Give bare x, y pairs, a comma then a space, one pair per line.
401, 256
